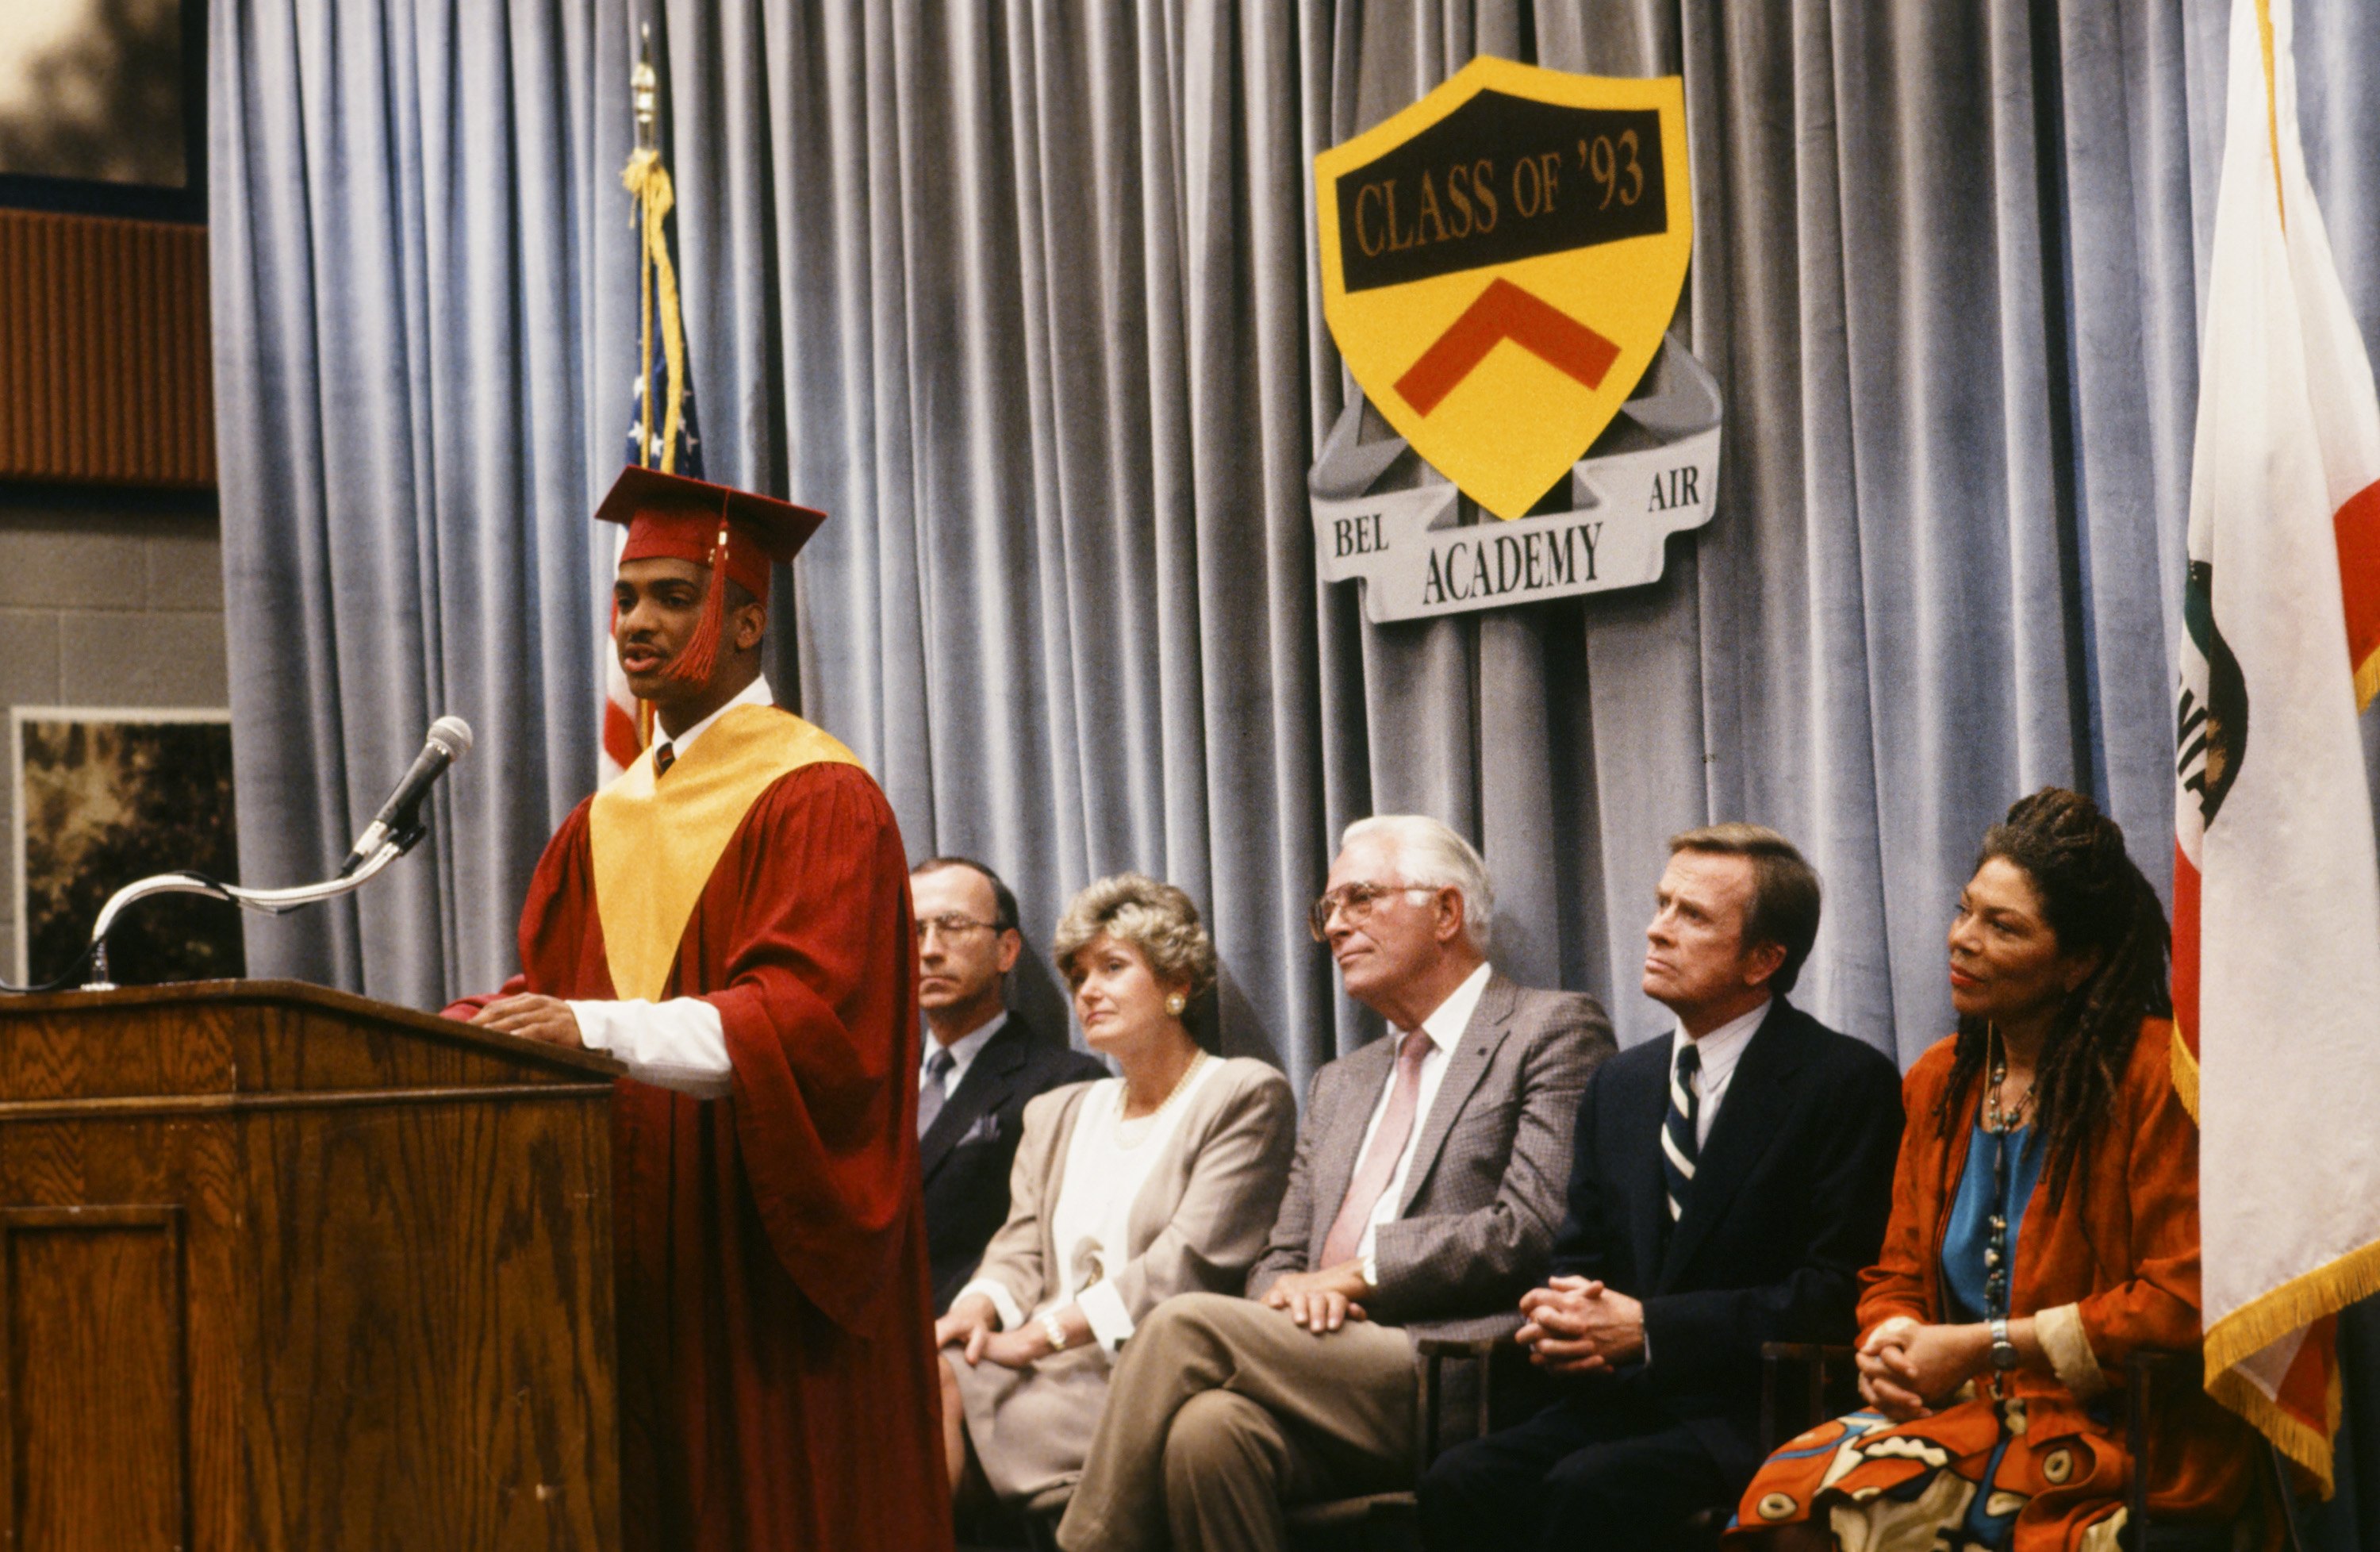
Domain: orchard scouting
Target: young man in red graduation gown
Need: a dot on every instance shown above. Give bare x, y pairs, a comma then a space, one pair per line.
731, 920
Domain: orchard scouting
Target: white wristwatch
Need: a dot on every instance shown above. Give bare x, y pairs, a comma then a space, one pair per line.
1054, 1332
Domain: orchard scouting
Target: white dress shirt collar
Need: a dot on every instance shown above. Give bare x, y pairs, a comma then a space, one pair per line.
964, 1050
1451, 1018
1720, 1050
757, 692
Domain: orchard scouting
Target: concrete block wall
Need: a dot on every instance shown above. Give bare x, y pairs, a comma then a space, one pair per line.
107, 599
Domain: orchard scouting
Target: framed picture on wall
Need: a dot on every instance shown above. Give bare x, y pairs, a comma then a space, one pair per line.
102, 107
104, 797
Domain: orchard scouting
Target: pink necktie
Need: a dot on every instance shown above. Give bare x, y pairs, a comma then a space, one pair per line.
1380, 1162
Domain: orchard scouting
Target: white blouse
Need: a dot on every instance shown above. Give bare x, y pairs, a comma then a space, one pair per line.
1108, 1161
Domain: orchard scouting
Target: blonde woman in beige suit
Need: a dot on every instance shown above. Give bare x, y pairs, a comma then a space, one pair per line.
1126, 1191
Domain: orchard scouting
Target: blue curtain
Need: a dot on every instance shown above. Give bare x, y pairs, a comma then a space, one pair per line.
1024, 297
421, 299
1026, 300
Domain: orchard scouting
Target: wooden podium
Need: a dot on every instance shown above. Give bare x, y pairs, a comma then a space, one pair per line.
283, 1268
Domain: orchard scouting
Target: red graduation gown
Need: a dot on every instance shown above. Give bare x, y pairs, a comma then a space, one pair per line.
777, 1382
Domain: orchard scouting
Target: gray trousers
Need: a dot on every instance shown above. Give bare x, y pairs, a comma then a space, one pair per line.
1223, 1410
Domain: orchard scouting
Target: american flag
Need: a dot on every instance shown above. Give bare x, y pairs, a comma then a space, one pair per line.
662, 432
625, 731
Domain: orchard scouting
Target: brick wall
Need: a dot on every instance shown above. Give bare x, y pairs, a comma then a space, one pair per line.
108, 598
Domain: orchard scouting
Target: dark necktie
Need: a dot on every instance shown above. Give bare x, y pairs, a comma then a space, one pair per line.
665, 755
931, 1093
1678, 1147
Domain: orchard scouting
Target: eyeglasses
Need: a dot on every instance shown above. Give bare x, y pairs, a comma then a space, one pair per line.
1355, 903
951, 926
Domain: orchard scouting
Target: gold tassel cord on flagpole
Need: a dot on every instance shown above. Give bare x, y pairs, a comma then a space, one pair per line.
648, 181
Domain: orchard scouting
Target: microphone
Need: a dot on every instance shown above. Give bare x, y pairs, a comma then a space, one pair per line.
449, 740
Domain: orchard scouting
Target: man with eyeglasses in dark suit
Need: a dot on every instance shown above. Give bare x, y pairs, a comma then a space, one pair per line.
981, 1066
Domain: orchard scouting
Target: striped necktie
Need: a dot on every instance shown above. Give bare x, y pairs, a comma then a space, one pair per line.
664, 757
1678, 1147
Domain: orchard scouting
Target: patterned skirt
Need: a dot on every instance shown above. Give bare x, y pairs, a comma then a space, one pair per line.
1978, 1475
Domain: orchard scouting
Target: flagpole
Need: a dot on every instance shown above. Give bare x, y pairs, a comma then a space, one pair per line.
643, 90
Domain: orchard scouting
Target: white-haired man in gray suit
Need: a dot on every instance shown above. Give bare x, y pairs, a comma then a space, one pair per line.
1423, 1202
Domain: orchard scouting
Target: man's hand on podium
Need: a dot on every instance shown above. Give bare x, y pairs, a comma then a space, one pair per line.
540, 1018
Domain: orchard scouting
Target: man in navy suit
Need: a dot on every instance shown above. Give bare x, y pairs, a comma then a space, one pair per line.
980, 1067
1728, 1184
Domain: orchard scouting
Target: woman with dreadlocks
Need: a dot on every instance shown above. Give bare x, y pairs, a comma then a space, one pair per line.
2045, 1227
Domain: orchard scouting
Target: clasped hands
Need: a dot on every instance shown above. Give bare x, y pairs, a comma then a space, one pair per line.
1576, 1327
1905, 1366
971, 1326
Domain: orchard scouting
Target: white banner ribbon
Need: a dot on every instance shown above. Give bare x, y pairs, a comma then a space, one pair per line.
1416, 561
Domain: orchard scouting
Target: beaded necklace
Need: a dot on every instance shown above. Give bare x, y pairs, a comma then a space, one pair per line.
2000, 1123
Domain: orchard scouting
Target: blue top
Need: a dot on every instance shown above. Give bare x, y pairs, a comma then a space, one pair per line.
1970, 1233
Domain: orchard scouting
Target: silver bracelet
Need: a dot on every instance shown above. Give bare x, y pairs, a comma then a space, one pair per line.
1055, 1332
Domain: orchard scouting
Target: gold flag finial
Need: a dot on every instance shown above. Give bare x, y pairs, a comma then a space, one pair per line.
643, 87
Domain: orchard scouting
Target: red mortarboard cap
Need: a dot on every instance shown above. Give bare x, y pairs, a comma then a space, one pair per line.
669, 516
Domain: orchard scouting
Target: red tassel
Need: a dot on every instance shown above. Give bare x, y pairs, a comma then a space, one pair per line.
701, 655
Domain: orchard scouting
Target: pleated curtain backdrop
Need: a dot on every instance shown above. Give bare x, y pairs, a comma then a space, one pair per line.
1026, 298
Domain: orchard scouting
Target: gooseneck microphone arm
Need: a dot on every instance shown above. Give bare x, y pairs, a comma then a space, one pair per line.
270, 902
396, 829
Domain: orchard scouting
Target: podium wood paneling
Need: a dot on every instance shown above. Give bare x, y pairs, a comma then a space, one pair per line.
281, 1268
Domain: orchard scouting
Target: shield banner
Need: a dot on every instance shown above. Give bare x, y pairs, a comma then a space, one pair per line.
1500, 262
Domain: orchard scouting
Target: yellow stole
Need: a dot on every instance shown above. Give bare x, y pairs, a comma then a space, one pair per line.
655, 842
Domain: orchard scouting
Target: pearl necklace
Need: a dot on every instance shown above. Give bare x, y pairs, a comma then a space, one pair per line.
1163, 1105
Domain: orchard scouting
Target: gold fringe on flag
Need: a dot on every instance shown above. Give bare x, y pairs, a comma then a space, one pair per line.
2268, 1318
2308, 1449
2185, 1072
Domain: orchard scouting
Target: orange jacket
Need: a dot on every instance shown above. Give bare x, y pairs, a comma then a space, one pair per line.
2112, 1269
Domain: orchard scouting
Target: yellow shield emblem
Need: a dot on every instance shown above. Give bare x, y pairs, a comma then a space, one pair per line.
1499, 261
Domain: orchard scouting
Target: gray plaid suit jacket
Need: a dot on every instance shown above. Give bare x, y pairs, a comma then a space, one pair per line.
1475, 1226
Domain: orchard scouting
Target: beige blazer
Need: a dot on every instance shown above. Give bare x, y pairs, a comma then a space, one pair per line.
1199, 1222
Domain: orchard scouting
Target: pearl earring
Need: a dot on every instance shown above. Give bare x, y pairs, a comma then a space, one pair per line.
1176, 1003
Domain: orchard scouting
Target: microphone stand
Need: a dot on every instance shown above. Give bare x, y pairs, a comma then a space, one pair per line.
270, 902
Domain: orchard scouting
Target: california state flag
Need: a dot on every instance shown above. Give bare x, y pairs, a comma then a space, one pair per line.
2277, 891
